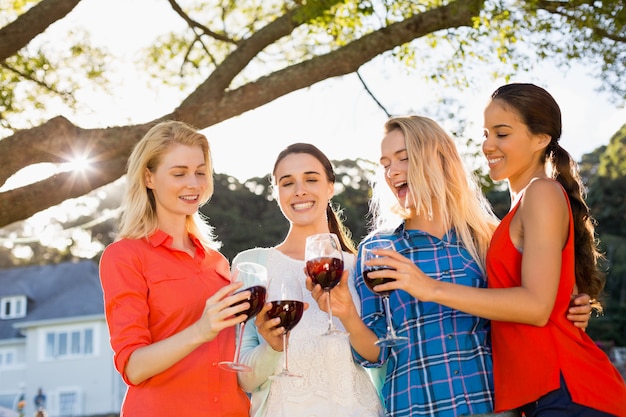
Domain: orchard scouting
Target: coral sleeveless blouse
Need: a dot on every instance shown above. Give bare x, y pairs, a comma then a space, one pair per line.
528, 360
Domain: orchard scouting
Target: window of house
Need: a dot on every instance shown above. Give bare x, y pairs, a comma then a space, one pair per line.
69, 403
69, 342
13, 307
7, 358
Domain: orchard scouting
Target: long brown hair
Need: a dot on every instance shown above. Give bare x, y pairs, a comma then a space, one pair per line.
540, 112
335, 225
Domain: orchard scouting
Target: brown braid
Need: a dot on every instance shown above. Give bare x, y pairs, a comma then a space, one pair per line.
589, 278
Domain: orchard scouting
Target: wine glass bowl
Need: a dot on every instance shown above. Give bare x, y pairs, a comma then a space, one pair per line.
325, 271
367, 253
372, 282
256, 300
289, 311
324, 264
254, 279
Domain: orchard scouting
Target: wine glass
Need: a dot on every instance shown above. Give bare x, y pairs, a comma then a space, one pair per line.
324, 264
254, 279
390, 339
285, 294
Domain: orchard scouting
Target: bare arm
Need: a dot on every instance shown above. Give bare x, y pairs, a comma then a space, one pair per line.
544, 219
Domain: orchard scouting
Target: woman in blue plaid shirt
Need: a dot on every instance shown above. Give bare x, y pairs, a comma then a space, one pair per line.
443, 223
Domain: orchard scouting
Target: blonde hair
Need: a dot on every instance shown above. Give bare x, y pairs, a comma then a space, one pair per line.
139, 218
437, 178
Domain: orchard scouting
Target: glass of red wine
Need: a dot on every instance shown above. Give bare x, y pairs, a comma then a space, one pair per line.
324, 264
254, 279
285, 294
390, 339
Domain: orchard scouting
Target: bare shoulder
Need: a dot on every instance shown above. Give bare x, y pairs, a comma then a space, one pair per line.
545, 195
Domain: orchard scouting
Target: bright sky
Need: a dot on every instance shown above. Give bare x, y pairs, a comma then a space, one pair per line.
337, 115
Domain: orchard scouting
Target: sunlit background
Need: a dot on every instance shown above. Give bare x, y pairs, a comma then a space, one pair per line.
337, 115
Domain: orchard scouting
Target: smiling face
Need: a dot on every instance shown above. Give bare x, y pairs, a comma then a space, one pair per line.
512, 151
303, 189
395, 161
178, 182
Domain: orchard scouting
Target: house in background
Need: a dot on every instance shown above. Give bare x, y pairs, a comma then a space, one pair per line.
53, 336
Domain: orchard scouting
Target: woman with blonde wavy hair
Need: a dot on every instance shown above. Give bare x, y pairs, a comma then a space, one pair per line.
445, 228
139, 218
441, 192
440, 222
166, 289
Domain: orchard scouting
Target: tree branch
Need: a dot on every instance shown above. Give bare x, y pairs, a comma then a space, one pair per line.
562, 8
193, 24
56, 140
25, 28
371, 94
207, 110
217, 83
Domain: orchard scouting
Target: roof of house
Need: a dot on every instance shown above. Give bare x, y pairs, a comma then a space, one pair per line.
65, 290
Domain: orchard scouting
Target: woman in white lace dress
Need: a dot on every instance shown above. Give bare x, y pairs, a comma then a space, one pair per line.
332, 383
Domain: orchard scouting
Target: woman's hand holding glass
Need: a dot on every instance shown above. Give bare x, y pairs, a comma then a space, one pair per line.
342, 303
285, 295
270, 328
253, 278
324, 265
377, 273
220, 312
402, 274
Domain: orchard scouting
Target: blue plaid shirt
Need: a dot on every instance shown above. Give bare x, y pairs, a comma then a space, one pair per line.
445, 370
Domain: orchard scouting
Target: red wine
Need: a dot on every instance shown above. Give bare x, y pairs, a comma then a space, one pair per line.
325, 271
289, 312
372, 282
256, 300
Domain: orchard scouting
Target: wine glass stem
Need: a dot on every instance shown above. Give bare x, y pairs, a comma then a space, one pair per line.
330, 313
390, 330
238, 347
285, 364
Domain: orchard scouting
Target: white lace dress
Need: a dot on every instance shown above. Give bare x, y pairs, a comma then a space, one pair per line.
332, 384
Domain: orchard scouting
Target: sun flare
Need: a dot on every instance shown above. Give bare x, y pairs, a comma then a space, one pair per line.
77, 164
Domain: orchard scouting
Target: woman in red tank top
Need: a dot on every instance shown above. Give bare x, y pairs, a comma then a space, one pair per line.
543, 251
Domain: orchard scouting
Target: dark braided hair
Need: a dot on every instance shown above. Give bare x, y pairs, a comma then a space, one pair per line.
540, 112
335, 224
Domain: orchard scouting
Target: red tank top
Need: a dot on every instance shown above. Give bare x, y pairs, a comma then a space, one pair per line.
527, 360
